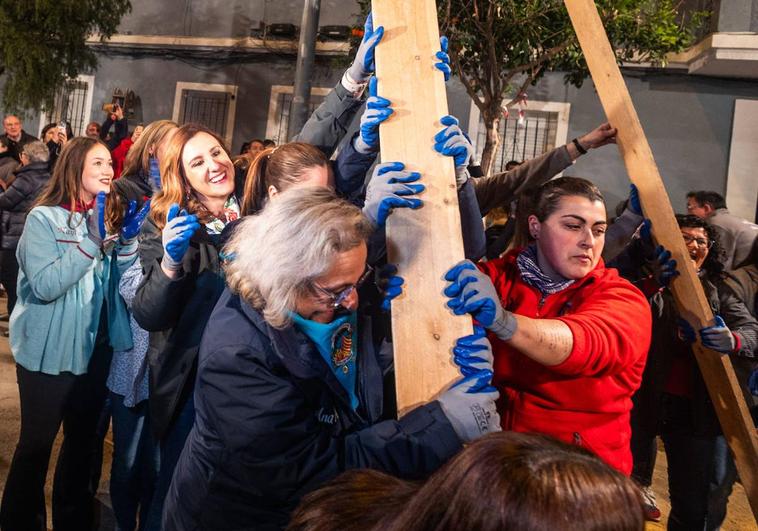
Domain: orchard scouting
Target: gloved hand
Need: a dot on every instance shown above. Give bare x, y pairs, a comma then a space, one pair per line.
452, 142
444, 64
390, 187
469, 405
663, 266
471, 291
363, 64
718, 337
133, 220
377, 111
155, 173
473, 353
685, 331
634, 200
96, 220
390, 284
179, 228
752, 382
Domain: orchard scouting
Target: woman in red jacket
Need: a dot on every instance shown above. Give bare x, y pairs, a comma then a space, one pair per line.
569, 336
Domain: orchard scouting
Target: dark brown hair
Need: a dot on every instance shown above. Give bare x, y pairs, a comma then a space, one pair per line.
279, 167
504, 480
544, 200
65, 184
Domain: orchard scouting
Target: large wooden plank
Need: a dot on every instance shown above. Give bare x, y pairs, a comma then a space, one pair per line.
638, 158
426, 242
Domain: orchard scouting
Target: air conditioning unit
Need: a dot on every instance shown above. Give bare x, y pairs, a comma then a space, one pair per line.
334, 33
281, 31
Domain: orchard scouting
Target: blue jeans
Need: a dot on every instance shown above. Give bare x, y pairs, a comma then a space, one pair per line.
135, 464
170, 448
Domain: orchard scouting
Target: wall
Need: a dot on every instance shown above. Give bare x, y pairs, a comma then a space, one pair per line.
687, 120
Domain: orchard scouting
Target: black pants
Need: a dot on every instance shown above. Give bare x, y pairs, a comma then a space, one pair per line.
46, 402
9, 275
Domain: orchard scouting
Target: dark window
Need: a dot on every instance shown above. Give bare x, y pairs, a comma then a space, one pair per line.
284, 105
521, 141
209, 108
70, 105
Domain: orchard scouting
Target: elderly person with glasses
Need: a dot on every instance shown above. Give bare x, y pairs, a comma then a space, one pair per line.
290, 379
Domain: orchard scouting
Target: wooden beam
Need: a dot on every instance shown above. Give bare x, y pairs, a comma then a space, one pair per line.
423, 243
717, 369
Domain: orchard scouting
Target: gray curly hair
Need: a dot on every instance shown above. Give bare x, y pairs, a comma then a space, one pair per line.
280, 251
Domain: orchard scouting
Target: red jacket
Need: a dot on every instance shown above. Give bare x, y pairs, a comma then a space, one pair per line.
119, 156
586, 399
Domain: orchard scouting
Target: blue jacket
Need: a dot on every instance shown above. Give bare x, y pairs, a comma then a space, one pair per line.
63, 280
273, 423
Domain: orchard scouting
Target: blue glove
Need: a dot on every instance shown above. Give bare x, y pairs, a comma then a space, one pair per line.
664, 267
634, 200
718, 337
96, 220
390, 187
155, 173
469, 405
752, 382
363, 64
176, 236
133, 220
453, 142
444, 64
685, 331
377, 111
473, 353
472, 292
390, 284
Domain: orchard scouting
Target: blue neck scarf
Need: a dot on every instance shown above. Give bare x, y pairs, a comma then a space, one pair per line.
336, 342
532, 274
155, 174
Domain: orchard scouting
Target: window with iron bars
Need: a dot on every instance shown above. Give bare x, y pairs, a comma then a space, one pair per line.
209, 108
70, 105
284, 105
520, 140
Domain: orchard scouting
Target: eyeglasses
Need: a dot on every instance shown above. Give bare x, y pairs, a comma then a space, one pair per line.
700, 242
336, 299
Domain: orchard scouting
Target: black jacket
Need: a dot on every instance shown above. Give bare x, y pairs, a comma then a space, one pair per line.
18, 199
175, 313
135, 187
273, 423
15, 148
647, 411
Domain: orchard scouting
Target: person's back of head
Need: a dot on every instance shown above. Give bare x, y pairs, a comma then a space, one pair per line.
36, 152
504, 480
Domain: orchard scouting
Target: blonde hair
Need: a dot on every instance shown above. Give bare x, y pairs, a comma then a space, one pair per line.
138, 156
279, 252
174, 185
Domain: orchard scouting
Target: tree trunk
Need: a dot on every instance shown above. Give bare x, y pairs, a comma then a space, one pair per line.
491, 125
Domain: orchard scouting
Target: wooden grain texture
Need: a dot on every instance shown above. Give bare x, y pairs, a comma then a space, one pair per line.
423, 243
717, 369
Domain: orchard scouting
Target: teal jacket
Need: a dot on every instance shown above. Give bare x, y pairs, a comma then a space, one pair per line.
63, 280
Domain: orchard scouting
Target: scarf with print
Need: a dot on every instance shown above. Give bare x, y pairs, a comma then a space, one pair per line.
231, 212
533, 275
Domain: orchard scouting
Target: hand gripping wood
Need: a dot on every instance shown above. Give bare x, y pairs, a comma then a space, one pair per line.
716, 368
424, 243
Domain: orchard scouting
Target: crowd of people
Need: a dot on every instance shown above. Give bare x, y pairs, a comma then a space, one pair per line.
230, 319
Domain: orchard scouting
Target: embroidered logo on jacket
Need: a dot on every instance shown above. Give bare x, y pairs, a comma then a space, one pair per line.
342, 345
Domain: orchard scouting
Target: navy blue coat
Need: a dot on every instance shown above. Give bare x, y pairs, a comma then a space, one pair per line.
273, 423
